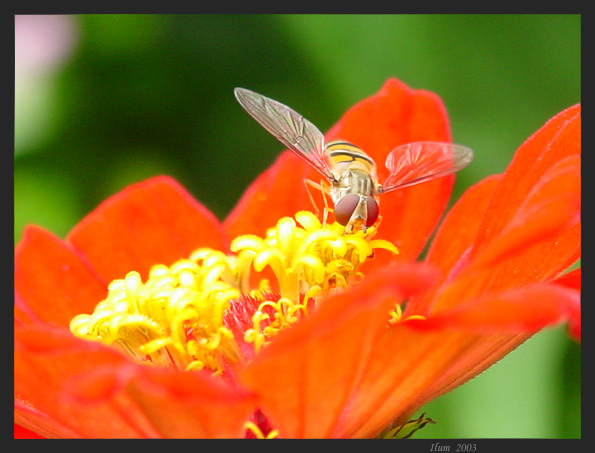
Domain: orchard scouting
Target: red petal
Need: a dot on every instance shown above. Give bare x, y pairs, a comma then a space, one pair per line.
451, 246
459, 228
407, 364
155, 221
193, 405
521, 310
393, 116
52, 283
308, 376
412, 367
474, 353
92, 391
558, 139
551, 208
44, 359
572, 279
453, 347
496, 324
529, 231
24, 433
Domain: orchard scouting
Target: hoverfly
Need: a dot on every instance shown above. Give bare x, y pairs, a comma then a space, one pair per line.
349, 171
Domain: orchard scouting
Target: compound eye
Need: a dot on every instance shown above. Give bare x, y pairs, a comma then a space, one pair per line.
345, 207
372, 207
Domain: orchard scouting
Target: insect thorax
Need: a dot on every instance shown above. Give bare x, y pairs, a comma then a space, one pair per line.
353, 180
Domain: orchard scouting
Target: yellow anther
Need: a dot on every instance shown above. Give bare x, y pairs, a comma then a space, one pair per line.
177, 317
272, 257
254, 429
308, 220
313, 267
383, 244
264, 286
408, 318
163, 320
396, 316
361, 248
321, 238
284, 233
195, 366
246, 241
310, 294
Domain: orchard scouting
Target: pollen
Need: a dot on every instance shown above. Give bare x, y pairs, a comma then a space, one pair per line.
178, 317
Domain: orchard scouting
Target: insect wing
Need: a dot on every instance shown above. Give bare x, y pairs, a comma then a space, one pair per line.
289, 127
419, 162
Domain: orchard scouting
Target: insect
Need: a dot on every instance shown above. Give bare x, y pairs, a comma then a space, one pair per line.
350, 173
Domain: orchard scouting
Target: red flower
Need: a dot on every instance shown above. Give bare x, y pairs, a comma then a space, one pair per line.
494, 275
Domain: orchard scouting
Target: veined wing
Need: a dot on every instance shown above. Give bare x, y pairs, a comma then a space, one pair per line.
289, 127
418, 162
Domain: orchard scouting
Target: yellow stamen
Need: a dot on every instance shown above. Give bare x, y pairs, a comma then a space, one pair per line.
177, 317
253, 427
396, 316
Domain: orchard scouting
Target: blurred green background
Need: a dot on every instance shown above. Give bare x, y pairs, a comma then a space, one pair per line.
102, 101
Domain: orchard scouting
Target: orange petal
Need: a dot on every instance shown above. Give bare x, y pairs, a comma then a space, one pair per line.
424, 359
451, 246
527, 309
459, 228
46, 358
93, 391
405, 365
52, 283
529, 230
308, 376
473, 353
24, 433
444, 351
551, 208
557, 140
496, 325
155, 221
572, 279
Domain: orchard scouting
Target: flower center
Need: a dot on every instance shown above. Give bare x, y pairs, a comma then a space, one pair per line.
213, 310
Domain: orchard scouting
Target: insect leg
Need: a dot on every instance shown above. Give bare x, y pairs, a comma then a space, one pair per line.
323, 189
